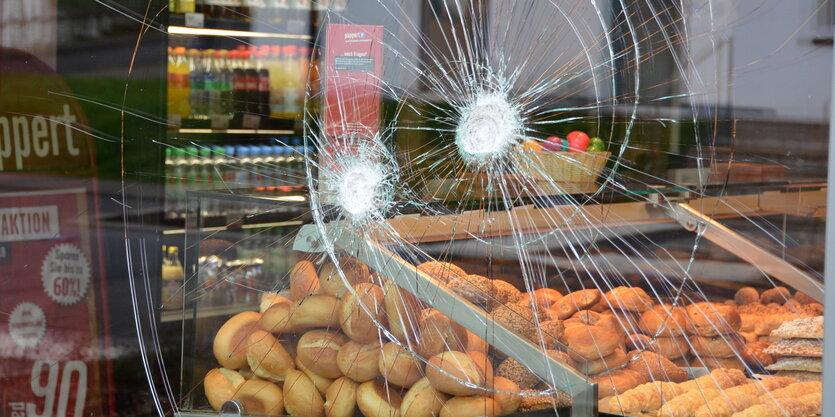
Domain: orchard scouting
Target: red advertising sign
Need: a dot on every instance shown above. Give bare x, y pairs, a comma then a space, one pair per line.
353, 67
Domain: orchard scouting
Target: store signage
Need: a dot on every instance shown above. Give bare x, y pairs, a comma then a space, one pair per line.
353, 69
29, 223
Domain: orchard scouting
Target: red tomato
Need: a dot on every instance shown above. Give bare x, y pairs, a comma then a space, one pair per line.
579, 138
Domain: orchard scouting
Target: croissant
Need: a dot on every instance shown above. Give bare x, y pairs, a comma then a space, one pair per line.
786, 407
685, 405
740, 397
718, 378
641, 399
795, 390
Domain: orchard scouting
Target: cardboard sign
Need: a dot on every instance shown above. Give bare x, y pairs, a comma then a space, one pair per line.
353, 68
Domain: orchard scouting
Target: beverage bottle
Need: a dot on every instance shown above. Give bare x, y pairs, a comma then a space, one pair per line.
197, 85
254, 8
277, 9
278, 165
206, 173
226, 108
180, 181
170, 102
256, 174
170, 184
230, 165
263, 83
186, 6
244, 166
291, 88
239, 89
251, 74
274, 65
211, 82
178, 84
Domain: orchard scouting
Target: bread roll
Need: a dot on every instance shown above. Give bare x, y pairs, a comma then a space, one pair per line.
474, 288
276, 318
231, 340
607, 363
331, 282
267, 357
341, 398
516, 319
438, 333
591, 342
378, 400
664, 320
574, 302
485, 366
513, 370
358, 361
402, 312
618, 382
303, 280
358, 312
441, 271
754, 354
220, 385
506, 394
260, 397
321, 383
654, 367
271, 298
474, 406
629, 299
398, 366
422, 400
449, 371
476, 343
778, 295
544, 297
317, 350
711, 319
315, 311
747, 295
670, 347
502, 293
726, 346
301, 398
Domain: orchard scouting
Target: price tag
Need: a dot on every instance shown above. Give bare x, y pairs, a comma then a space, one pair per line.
175, 120
220, 121
251, 121
194, 20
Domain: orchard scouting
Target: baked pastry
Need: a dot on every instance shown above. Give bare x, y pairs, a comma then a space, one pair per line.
778, 295
476, 343
663, 320
717, 378
543, 297
740, 397
641, 399
797, 389
317, 350
655, 367
341, 398
573, 302
453, 372
437, 333
332, 283
606, 363
591, 342
629, 299
747, 295
270, 298
797, 363
796, 347
398, 366
484, 365
441, 271
513, 370
802, 298
473, 406
276, 318
260, 397
686, 404
473, 288
724, 346
230, 342
376, 399
549, 333
314, 311
220, 385
422, 400
669, 347
502, 293
712, 319
303, 280
358, 361
518, 320
320, 382
802, 328
506, 393
266, 357
361, 311
402, 312
754, 354
809, 404
800, 376
713, 363
301, 398
618, 382
535, 400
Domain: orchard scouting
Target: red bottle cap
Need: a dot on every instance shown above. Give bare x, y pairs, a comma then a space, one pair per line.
289, 49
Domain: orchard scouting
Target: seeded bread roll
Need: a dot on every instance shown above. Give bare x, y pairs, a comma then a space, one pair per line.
231, 340
220, 385
358, 312
501, 293
422, 400
549, 334
441, 271
358, 361
303, 280
341, 398
449, 371
260, 397
331, 282
474, 288
301, 398
266, 357
318, 350
376, 399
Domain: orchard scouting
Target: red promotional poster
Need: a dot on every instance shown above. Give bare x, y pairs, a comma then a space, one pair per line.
54, 334
353, 62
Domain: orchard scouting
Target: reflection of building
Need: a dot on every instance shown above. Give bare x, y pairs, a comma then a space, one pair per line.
30, 26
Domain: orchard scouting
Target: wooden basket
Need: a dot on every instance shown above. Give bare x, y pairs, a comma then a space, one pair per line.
565, 172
